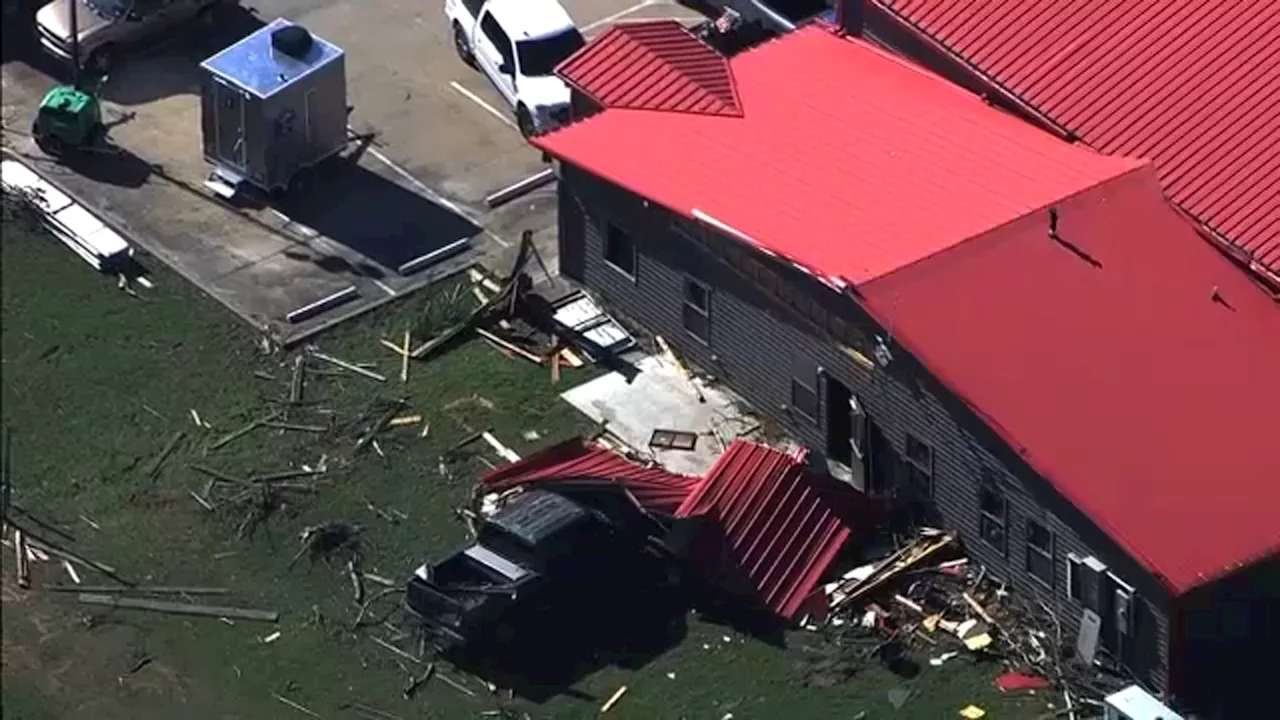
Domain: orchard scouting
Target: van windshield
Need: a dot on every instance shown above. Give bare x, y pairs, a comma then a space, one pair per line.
540, 57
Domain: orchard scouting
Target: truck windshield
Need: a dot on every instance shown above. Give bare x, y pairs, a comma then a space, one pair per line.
540, 57
110, 9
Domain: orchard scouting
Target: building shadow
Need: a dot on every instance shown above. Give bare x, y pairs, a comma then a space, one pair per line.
374, 216
109, 165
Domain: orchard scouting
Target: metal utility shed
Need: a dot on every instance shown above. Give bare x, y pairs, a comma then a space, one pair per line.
273, 105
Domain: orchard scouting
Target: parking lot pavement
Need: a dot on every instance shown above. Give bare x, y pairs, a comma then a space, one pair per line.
441, 141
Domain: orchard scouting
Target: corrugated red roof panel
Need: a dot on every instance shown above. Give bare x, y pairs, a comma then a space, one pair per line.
781, 533
653, 65
1189, 84
1148, 396
1144, 387
928, 166
655, 488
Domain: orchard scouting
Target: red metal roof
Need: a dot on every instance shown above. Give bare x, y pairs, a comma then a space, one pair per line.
1148, 396
653, 65
781, 532
1189, 84
928, 166
655, 488
1144, 387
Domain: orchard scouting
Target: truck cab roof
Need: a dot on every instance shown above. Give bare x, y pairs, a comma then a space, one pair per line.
530, 19
536, 515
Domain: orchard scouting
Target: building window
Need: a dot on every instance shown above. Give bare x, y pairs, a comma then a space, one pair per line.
697, 309
993, 518
804, 398
620, 251
919, 466
1040, 552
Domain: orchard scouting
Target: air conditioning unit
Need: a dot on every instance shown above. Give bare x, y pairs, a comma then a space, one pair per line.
1134, 703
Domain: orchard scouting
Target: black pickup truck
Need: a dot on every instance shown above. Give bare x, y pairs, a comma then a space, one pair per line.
541, 550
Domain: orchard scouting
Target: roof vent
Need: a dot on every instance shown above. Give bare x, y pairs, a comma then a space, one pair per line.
293, 41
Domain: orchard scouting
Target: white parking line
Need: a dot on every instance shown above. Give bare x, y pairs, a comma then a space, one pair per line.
383, 286
483, 105
620, 14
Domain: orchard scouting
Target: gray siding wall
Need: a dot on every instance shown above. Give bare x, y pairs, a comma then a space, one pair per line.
757, 344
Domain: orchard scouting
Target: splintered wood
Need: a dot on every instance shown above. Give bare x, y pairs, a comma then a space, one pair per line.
901, 561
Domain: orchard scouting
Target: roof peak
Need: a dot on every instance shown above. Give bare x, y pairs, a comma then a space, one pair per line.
653, 65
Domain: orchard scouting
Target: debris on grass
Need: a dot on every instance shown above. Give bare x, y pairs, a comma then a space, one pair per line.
503, 451
248, 428
404, 420
90, 522
348, 366
378, 426
20, 552
163, 606
71, 571
295, 706
297, 380
613, 699
379, 579
324, 541
395, 649
416, 682
267, 640
153, 470
139, 589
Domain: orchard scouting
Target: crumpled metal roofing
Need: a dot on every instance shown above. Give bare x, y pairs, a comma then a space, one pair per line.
653, 65
575, 460
781, 532
1191, 85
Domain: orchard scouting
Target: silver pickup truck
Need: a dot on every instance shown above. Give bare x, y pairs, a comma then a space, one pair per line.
106, 27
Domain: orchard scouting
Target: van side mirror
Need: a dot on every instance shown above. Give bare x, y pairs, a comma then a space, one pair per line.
505, 68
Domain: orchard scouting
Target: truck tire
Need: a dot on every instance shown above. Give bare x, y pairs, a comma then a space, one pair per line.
524, 121
463, 47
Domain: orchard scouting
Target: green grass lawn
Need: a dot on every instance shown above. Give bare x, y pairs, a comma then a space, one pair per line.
95, 384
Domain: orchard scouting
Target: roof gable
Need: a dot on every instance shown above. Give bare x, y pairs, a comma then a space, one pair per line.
653, 65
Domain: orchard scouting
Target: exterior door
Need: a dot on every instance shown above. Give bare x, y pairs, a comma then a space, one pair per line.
229, 120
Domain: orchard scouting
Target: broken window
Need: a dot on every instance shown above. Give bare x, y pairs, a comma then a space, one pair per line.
1040, 552
919, 466
697, 309
620, 251
993, 514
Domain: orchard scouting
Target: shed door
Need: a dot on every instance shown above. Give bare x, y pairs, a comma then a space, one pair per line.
229, 120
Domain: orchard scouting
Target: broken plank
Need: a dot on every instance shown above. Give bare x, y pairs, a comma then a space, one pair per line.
404, 358
395, 649
404, 420
203, 503
348, 366
298, 379
294, 426
509, 346
20, 552
571, 358
174, 608
503, 451
217, 474
154, 469
295, 706
152, 589
284, 475
236, 434
378, 426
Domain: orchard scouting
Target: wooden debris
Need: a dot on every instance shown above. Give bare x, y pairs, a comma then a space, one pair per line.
613, 699
195, 418
571, 358
503, 451
253, 425
348, 366
379, 579
71, 571
294, 705
508, 346
154, 469
295, 427
68, 555
358, 707
357, 587
417, 682
479, 278
271, 638
679, 365
395, 649
217, 474
20, 551
364, 607
178, 608
141, 589
404, 420
263, 375
977, 607
465, 442
203, 503
426, 428
455, 684
378, 426
90, 522
404, 359
285, 475
322, 541
555, 361
298, 379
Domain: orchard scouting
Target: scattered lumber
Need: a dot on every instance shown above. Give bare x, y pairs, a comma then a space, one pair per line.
20, 550
217, 474
404, 358
395, 649
613, 699
297, 380
378, 426
417, 682
503, 451
508, 346
153, 469
675, 360
250, 427
348, 366
174, 608
142, 589
295, 706
295, 427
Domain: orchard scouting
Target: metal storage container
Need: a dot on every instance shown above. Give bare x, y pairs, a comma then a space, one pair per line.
272, 106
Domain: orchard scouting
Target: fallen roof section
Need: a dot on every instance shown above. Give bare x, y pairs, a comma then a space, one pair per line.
577, 461
1188, 84
780, 532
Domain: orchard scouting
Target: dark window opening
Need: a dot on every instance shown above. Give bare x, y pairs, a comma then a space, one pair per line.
620, 251
919, 466
540, 57
804, 399
697, 309
1075, 566
993, 515
1040, 552
501, 41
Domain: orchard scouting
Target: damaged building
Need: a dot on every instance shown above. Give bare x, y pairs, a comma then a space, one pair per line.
1004, 333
